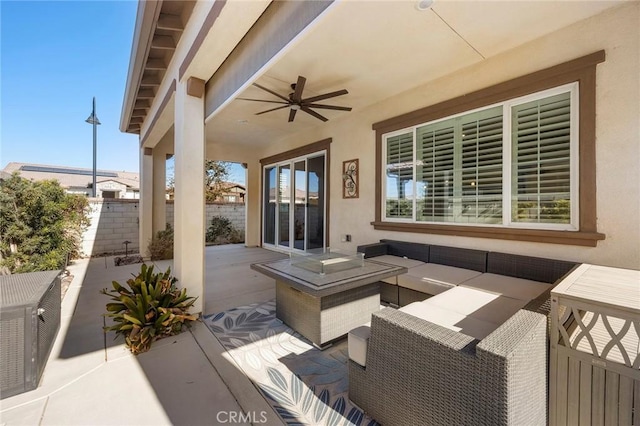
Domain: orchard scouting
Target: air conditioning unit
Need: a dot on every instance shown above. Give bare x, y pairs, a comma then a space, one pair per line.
29, 323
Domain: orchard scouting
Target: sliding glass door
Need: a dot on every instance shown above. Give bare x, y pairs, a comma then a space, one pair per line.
294, 203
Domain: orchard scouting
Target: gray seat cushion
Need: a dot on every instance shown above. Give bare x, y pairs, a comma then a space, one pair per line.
485, 306
397, 261
358, 340
516, 288
455, 321
433, 278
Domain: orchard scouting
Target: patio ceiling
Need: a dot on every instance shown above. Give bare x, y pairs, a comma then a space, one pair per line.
377, 49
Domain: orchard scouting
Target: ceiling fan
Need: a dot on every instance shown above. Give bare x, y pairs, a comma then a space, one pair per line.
296, 102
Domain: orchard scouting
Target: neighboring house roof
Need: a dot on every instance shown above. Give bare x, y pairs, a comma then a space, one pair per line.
228, 186
72, 177
128, 182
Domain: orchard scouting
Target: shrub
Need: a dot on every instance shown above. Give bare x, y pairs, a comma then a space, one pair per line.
236, 236
220, 230
161, 246
40, 225
150, 309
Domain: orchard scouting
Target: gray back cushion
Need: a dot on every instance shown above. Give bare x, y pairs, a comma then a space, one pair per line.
527, 267
415, 251
475, 260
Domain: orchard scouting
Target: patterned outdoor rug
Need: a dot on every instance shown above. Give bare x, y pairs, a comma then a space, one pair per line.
304, 385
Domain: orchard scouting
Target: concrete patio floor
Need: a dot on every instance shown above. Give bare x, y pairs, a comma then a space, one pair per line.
182, 380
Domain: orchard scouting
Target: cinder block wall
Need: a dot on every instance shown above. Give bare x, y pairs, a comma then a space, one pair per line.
234, 211
116, 221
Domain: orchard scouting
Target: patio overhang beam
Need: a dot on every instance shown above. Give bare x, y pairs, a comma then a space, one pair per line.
281, 24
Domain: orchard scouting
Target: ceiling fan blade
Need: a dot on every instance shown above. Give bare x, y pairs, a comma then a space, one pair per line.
263, 100
325, 96
272, 92
274, 109
292, 114
297, 94
313, 113
335, 107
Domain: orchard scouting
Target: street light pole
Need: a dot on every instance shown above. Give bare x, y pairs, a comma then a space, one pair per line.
93, 119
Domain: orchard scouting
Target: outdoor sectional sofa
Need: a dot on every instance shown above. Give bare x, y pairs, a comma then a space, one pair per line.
468, 344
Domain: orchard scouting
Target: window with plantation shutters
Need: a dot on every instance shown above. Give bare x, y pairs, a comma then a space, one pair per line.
459, 169
541, 160
399, 173
509, 165
434, 171
481, 179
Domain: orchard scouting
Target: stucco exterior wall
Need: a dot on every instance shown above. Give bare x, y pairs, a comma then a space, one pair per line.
617, 140
116, 221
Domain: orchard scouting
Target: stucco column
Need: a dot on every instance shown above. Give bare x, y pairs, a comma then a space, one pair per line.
188, 256
159, 190
252, 205
145, 213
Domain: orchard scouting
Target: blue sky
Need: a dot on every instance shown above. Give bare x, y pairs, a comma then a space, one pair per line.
55, 57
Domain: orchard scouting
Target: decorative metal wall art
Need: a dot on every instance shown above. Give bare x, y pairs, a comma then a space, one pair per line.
350, 178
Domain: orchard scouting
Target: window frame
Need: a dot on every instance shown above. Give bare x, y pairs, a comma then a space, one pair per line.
307, 151
582, 72
507, 165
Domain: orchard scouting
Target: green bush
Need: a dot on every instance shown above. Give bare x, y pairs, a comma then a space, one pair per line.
40, 225
150, 309
236, 236
220, 230
161, 246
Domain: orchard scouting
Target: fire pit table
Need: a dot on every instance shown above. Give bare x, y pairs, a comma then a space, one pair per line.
323, 295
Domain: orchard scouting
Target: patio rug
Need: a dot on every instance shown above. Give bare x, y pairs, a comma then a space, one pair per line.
304, 385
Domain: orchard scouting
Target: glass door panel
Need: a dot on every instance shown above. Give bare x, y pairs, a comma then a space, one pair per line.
284, 203
315, 203
294, 204
270, 205
300, 204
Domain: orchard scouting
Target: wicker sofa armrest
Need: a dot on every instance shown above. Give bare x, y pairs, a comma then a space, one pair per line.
373, 250
513, 361
513, 334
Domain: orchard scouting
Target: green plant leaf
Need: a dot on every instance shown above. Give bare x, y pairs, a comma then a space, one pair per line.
116, 307
162, 318
129, 303
144, 291
132, 319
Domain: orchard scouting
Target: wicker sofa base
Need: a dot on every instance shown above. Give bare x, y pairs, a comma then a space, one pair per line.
407, 296
327, 318
395, 295
389, 294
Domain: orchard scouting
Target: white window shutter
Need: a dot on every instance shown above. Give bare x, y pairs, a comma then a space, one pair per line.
541, 160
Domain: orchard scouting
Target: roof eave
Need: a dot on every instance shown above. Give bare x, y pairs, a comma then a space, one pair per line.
146, 18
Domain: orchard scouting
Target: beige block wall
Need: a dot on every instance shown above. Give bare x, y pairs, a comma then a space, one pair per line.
235, 212
113, 222
617, 132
